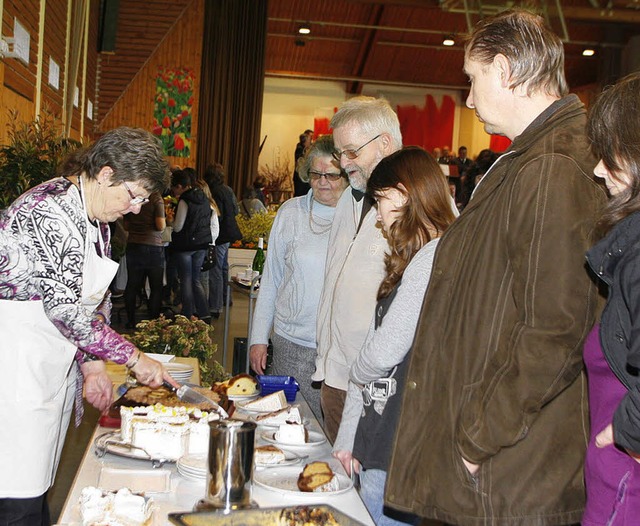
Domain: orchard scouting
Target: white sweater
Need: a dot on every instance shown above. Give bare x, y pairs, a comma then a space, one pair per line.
293, 274
354, 270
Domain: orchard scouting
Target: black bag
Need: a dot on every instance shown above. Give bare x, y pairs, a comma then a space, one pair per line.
211, 261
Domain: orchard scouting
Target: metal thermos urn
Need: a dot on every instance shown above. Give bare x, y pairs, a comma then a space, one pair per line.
230, 465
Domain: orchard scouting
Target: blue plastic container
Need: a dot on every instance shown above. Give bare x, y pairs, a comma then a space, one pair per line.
272, 384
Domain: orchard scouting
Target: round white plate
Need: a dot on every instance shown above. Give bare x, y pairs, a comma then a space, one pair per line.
305, 422
242, 405
174, 367
290, 459
315, 439
285, 480
244, 398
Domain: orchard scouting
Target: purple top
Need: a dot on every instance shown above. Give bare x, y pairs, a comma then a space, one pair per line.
612, 477
42, 244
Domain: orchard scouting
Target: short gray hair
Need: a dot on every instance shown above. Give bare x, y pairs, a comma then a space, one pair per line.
534, 52
323, 147
132, 153
373, 115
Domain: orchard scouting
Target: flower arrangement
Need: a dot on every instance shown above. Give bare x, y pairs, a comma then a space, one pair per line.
172, 110
258, 225
181, 337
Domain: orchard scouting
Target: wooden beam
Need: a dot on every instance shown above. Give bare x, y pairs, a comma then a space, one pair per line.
365, 50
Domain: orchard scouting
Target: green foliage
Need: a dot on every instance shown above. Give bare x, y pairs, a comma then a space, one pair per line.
33, 154
181, 337
258, 225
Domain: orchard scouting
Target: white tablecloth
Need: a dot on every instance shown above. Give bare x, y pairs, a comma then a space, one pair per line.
185, 493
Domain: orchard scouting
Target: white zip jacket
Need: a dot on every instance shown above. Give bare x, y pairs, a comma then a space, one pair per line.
353, 272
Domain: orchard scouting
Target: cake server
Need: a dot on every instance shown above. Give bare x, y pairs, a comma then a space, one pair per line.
190, 396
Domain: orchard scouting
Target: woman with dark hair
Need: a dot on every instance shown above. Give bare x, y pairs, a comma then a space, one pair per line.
229, 232
612, 349
190, 241
414, 208
54, 308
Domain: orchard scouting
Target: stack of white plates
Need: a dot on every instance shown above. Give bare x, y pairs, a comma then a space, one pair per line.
180, 372
193, 466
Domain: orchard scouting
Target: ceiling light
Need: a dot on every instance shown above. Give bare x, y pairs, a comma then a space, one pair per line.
588, 52
304, 29
448, 41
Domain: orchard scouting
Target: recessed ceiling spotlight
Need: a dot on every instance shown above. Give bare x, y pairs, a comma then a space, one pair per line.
448, 41
304, 29
588, 52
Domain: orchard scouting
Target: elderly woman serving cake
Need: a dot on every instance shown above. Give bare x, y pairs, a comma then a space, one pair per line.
54, 308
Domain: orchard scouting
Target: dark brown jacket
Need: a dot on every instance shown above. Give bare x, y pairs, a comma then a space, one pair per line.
495, 371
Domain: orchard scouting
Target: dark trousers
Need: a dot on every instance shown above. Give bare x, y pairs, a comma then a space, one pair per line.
144, 261
25, 512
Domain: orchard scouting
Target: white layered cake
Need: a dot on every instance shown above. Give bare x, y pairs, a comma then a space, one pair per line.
122, 508
166, 432
268, 455
289, 415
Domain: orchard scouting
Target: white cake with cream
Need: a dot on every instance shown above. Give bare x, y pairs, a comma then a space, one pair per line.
273, 402
291, 434
122, 508
268, 455
166, 432
289, 415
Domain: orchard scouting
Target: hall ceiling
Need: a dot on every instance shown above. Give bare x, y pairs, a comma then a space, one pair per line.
383, 41
400, 41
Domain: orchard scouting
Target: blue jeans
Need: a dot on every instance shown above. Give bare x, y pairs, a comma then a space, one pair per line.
218, 278
194, 300
372, 482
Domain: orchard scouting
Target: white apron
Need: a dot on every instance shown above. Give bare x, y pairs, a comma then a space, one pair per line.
39, 380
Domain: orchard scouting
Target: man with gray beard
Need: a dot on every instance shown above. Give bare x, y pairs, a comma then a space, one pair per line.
365, 130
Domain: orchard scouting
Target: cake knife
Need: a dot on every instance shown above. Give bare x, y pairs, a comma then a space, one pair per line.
191, 396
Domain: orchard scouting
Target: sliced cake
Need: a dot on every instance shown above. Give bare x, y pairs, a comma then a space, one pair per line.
317, 477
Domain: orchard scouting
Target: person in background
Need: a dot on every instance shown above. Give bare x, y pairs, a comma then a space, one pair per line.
259, 184
229, 233
611, 351
301, 187
145, 257
462, 162
437, 153
294, 273
475, 172
365, 131
250, 204
190, 241
55, 311
414, 209
491, 429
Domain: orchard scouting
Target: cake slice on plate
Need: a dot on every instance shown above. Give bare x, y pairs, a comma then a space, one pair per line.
289, 415
318, 477
273, 402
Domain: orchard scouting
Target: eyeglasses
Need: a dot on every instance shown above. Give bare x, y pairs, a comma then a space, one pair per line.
352, 154
135, 200
314, 176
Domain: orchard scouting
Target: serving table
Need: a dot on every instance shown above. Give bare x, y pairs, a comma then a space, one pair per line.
182, 493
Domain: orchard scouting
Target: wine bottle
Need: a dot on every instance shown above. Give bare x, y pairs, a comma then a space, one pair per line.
258, 259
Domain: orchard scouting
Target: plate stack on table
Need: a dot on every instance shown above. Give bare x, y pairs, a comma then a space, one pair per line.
180, 372
192, 467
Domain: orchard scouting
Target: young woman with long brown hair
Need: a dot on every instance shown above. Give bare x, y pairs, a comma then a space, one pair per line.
414, 208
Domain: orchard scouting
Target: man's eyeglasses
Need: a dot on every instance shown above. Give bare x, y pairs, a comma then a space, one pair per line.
352, 154
135, 200
314, 176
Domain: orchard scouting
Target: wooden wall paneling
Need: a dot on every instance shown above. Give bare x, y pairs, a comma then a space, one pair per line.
181, 47
19, 77
54, 48
92, 68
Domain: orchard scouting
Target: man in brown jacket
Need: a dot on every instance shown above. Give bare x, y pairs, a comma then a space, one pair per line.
493, 428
